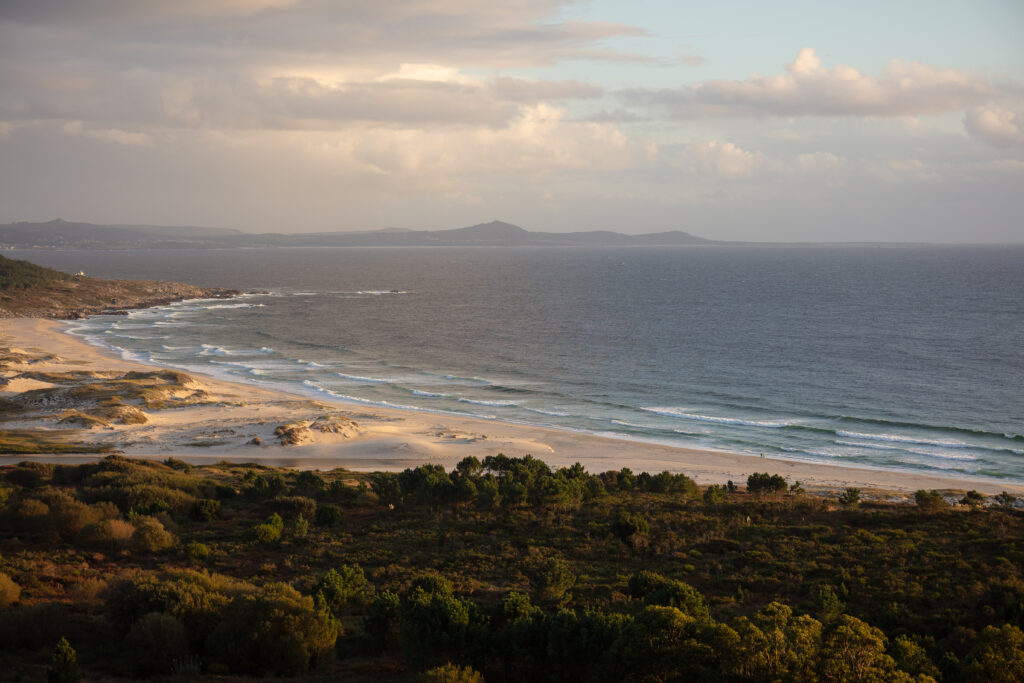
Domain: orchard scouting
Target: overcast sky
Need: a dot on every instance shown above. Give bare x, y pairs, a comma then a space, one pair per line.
759, 119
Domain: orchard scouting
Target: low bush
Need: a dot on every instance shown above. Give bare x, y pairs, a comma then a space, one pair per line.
9, 591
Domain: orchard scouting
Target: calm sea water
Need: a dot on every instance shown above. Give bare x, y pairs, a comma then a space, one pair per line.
889, 357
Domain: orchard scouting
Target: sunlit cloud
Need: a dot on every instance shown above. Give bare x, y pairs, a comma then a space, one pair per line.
810, 89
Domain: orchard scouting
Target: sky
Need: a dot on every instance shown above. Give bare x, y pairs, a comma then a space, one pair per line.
759, 120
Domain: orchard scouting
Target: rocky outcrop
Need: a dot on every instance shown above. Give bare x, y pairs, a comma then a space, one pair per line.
77, 297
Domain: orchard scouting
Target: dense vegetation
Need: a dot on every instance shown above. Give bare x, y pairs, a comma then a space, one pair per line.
501, 570
24, 274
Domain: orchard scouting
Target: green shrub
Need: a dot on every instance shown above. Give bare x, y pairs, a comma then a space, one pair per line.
972, 499
109, 534
29, 627
205, 509
714, 494
1006, 500
451, 673
342, 587
850, 498
195, 598
63, 664
552, 581
269, 531
275, 630
151, 537
930, 501
294, 506
9, 591
329, 514
628, 526
655, 589
197, 551
762, 482
156, 643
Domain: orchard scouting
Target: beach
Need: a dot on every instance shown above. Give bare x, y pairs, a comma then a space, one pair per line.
237, 422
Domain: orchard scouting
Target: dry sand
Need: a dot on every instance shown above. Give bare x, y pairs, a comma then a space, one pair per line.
387, 439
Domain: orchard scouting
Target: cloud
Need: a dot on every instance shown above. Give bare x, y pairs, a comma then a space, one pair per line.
809, 89
720, 159
995, 125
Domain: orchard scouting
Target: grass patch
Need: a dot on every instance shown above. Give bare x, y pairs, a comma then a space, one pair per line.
29, 441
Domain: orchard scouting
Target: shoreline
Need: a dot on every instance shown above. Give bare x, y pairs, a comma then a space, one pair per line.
386, 438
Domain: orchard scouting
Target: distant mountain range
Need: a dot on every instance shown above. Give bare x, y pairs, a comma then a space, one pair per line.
59, 234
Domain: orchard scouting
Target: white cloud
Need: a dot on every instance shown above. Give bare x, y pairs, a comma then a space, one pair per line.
996, 126
809, 89
720, 159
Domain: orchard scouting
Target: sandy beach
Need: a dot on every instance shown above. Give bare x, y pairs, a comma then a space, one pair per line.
205, 419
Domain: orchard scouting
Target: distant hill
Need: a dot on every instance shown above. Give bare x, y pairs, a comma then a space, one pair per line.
67, 235
15, 275
32, 291
61, 234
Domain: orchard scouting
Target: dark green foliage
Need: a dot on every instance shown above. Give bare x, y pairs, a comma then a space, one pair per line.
829, 604
266, 486
275, 630
850, 498
294, 506
329, 514
205, 510
1005, 500
308, 483
762, 482
380, 619
433, 620
32, 626
930, 501
714, 494
655, 589
63, 663
342, 587
703, 592
23, 275
427, 484
387, 487
195, 598
552, 580
998, 656
972, 499
156, 643
628, 526
269, 531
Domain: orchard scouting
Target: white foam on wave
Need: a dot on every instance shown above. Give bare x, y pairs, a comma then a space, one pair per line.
361, 378
904, 449
681, 413
552, 413
497, 404
379, 292
239, 305
428, 394
896, 438
480, 380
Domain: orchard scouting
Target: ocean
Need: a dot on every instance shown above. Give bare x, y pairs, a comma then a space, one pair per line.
905, 357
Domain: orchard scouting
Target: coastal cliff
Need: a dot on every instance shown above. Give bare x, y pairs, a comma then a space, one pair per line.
31, 291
